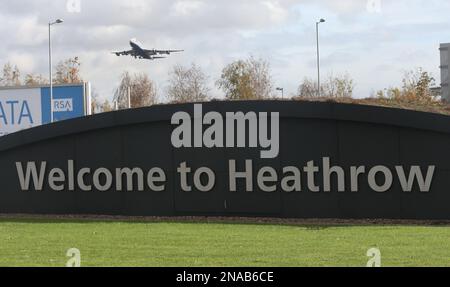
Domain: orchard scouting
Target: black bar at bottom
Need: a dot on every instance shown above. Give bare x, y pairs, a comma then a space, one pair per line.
227, 277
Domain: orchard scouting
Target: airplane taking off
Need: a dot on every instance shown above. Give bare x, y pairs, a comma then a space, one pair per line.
140, 53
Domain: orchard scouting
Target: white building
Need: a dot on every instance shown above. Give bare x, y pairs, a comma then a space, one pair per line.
445, 63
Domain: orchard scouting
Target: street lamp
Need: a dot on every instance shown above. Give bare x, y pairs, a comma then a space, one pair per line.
318, 55
50, 24
282, 92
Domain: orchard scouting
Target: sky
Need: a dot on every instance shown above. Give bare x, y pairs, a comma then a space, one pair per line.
374, 41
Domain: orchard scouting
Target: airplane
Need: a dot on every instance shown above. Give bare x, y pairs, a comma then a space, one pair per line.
140, 53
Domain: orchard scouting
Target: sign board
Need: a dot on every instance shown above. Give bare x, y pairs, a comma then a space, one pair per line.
26, 107
283, 159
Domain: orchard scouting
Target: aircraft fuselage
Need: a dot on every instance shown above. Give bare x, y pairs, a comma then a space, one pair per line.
138, 50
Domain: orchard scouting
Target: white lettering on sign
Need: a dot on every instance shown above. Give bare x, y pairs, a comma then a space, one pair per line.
35, 176
63, 105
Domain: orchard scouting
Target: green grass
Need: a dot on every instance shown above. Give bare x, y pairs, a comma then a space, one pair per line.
44, 243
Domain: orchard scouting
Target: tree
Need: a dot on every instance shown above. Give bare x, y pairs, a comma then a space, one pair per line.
341, 86
95, 102
142, 91
121, 93
35, 79
246, 80
416, 88
105, 107
391, 93
11, 75
98, 106
307, 89
187, 85
334, 87
68, 72
417, 84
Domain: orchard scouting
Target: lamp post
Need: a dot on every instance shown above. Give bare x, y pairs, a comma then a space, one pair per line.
318, 55
282, 92
50, 24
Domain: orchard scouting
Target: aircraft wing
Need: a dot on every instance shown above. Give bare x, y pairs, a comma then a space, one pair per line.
124, 53
162, 52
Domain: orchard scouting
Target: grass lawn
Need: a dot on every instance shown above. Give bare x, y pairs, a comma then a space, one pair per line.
108, 243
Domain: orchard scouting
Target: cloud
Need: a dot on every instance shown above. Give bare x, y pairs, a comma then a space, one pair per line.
186, 8
213, 33
345, 8
23, 60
